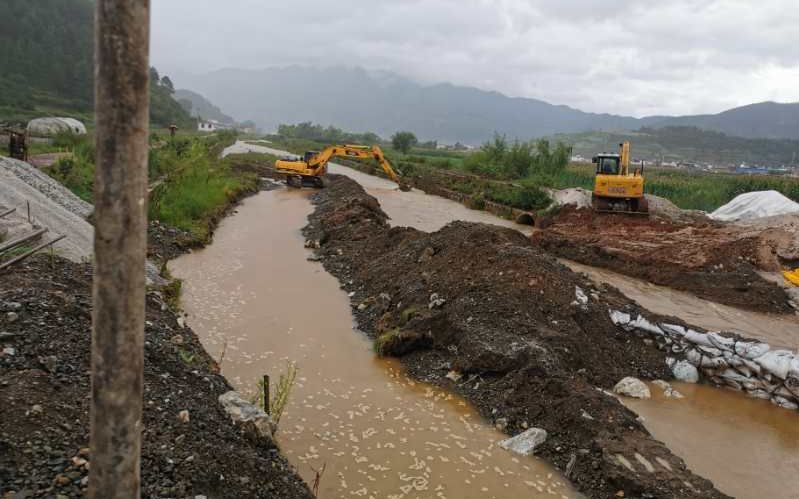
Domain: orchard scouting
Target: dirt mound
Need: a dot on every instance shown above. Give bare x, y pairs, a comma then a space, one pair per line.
713, 261
44, 400
529, 339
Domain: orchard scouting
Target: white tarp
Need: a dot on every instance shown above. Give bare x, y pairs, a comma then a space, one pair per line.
48, 127
753, 205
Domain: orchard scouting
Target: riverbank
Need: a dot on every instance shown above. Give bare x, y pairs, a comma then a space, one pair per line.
478, 310
44, 388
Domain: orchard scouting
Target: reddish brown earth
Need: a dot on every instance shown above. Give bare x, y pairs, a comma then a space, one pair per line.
509, 325
713, 261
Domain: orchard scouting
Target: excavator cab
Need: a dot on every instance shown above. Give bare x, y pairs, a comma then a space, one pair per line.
607, 164
615, 188
308, 155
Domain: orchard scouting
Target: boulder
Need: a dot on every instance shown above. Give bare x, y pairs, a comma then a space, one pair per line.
526, 442
242, 411
632, 387
685, 371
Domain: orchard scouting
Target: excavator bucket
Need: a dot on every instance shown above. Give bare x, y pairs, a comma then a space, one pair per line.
792, 276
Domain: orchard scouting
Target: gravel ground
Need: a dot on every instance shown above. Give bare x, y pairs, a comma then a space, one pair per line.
51, 206
47, 186
45, 319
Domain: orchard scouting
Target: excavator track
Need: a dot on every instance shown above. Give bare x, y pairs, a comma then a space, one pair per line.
620, 206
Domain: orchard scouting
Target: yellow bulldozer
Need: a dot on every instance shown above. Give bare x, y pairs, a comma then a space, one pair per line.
617, 190
311, 168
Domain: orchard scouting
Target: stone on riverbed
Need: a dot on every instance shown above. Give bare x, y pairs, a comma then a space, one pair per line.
632, 387
525, 443
685, 371
242, 411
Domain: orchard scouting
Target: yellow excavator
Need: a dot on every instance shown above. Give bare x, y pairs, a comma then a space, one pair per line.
311, 168
615, 188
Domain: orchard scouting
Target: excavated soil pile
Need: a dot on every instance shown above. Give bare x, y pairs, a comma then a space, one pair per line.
713, 261
479, 310
44, 400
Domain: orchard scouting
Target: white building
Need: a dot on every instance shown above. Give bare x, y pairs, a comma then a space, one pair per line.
206, 126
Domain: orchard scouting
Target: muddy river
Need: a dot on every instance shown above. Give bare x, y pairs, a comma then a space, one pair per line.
253, 295
778, 330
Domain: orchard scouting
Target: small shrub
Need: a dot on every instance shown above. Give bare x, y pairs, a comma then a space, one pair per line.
280, 395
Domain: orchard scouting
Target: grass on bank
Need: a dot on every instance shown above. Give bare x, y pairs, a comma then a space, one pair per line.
192, 186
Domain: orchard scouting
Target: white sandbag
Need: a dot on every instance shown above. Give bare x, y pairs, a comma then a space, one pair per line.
685, 371
777, 362
750, 350
641, 323
619, 318
721, 342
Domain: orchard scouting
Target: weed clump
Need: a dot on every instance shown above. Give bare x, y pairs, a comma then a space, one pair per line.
396, 343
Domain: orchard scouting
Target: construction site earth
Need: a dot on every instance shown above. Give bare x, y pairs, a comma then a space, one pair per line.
487, 330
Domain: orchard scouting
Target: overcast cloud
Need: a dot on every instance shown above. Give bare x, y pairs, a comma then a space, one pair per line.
635, 57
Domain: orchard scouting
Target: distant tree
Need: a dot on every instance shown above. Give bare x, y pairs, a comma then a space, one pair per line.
155, 78
430, 144
166, 82
403, 141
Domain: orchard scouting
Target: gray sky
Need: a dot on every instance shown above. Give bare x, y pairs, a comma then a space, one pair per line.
636, 57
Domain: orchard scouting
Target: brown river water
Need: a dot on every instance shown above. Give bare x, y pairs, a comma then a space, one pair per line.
253, 295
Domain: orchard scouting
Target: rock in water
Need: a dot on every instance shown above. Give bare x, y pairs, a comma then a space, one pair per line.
685, 371
632, 387
242, 411
525, 443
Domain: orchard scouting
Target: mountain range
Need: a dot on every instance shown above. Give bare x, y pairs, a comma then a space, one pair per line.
359, 100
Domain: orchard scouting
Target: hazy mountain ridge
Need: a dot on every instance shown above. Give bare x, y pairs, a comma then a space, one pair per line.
200, 107
359, 100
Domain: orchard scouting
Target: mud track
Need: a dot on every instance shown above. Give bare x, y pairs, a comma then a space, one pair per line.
713, 261
44, 400
528, 353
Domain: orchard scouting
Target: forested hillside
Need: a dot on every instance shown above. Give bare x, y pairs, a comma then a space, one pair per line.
46, 64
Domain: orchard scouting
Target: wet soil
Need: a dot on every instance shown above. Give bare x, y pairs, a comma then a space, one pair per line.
257, 303
44, 400
482, 301
716, 262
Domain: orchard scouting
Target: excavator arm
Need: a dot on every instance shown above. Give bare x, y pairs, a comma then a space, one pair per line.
316, 165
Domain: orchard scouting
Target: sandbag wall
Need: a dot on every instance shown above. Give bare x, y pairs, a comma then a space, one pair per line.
723, 359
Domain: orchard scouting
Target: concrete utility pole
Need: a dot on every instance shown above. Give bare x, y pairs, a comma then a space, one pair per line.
122, 44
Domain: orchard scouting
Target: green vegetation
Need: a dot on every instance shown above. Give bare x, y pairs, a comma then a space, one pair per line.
196, 187
164, 109
500, 159
280, 397
76, 171
688, 144
403, 141
326, 135
47, 68
46, 58
688, 190
516, 173
192, 186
